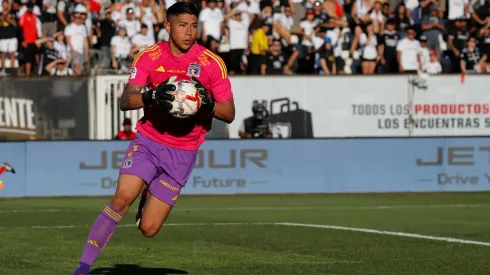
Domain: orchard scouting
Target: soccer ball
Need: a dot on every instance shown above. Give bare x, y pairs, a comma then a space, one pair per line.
187, 101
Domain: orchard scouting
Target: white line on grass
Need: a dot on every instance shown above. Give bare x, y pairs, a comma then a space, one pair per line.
269, 208
133, 225
383, 232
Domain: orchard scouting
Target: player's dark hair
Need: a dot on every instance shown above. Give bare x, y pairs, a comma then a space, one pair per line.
181, 8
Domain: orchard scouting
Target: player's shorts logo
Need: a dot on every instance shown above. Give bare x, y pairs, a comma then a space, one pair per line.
194, 70
128, 163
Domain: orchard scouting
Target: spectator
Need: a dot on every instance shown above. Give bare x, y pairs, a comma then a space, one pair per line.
284, 24
76, 38
65, 9
35, 9
369, 43
106, 30
360, 12
211, 19
327, 58
434, 66
307, 29
128, 5
48, 54
387, 48
457, 41
402, 20
457, 9
131, 25
484, 46
260, 47
148, 13
127, 133
377, 17
141, 40
59, 67
49, 17
239, 35
120, 50
408, 53
481, 16
61, 47
275, 61
8, 39
31, 26
424, 52
433, 29
472, 61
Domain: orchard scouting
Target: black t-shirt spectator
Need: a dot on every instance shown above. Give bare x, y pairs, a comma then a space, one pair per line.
321, 18
460, 38
7, 30
329, 57
471, 58
389, 40
47, 56
484, 45
275, 64
107, 31
402, 23
483, 11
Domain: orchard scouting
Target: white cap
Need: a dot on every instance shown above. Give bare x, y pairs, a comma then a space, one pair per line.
80, 8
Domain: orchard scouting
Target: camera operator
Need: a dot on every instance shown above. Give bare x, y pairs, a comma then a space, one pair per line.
256, 126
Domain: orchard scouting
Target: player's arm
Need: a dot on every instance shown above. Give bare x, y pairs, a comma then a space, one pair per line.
132, 98
225, 111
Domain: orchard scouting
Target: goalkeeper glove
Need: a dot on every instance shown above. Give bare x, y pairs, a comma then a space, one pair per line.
161, 95
207, 101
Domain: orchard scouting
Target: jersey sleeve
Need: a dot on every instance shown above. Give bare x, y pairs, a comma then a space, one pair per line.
219, 82
140, 69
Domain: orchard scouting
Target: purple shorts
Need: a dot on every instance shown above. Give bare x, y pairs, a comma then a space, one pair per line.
164, 169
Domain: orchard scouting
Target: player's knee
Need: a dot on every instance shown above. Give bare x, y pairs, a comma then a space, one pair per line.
149, 231
121, 204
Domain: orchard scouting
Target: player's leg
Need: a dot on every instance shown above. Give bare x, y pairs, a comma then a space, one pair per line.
136, 171
176, 166
128, 189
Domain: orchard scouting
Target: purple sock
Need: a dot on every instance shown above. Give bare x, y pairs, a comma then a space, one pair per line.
100, 234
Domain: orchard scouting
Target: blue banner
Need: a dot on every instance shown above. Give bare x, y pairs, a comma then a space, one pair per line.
53, 168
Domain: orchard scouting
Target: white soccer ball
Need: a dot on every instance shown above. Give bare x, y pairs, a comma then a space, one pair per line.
187, 101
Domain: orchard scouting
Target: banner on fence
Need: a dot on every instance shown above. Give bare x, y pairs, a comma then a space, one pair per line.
261, 167
363, 106
50, 108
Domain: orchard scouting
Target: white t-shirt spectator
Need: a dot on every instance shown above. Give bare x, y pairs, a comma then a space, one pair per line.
212, 19
123, 46
78, 34
246, 9
369, 50
308, 30
238, 34
286, 21
65, 72
424, 57
148, 17
62, 50
132, 27
456, 9
433, 68
125, 8
142, 40
410, 49
377, 16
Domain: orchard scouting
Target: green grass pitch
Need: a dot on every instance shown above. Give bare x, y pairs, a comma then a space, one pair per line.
238, 235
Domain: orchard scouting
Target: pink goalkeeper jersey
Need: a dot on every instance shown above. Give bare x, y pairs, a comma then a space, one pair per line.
155, 65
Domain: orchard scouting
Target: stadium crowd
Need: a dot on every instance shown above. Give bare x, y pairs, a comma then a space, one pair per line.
328, 37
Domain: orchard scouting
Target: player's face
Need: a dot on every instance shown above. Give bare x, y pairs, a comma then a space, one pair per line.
182, 30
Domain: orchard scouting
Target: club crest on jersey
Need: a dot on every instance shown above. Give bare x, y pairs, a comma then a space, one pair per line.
132, 73
194, 70
128, 163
